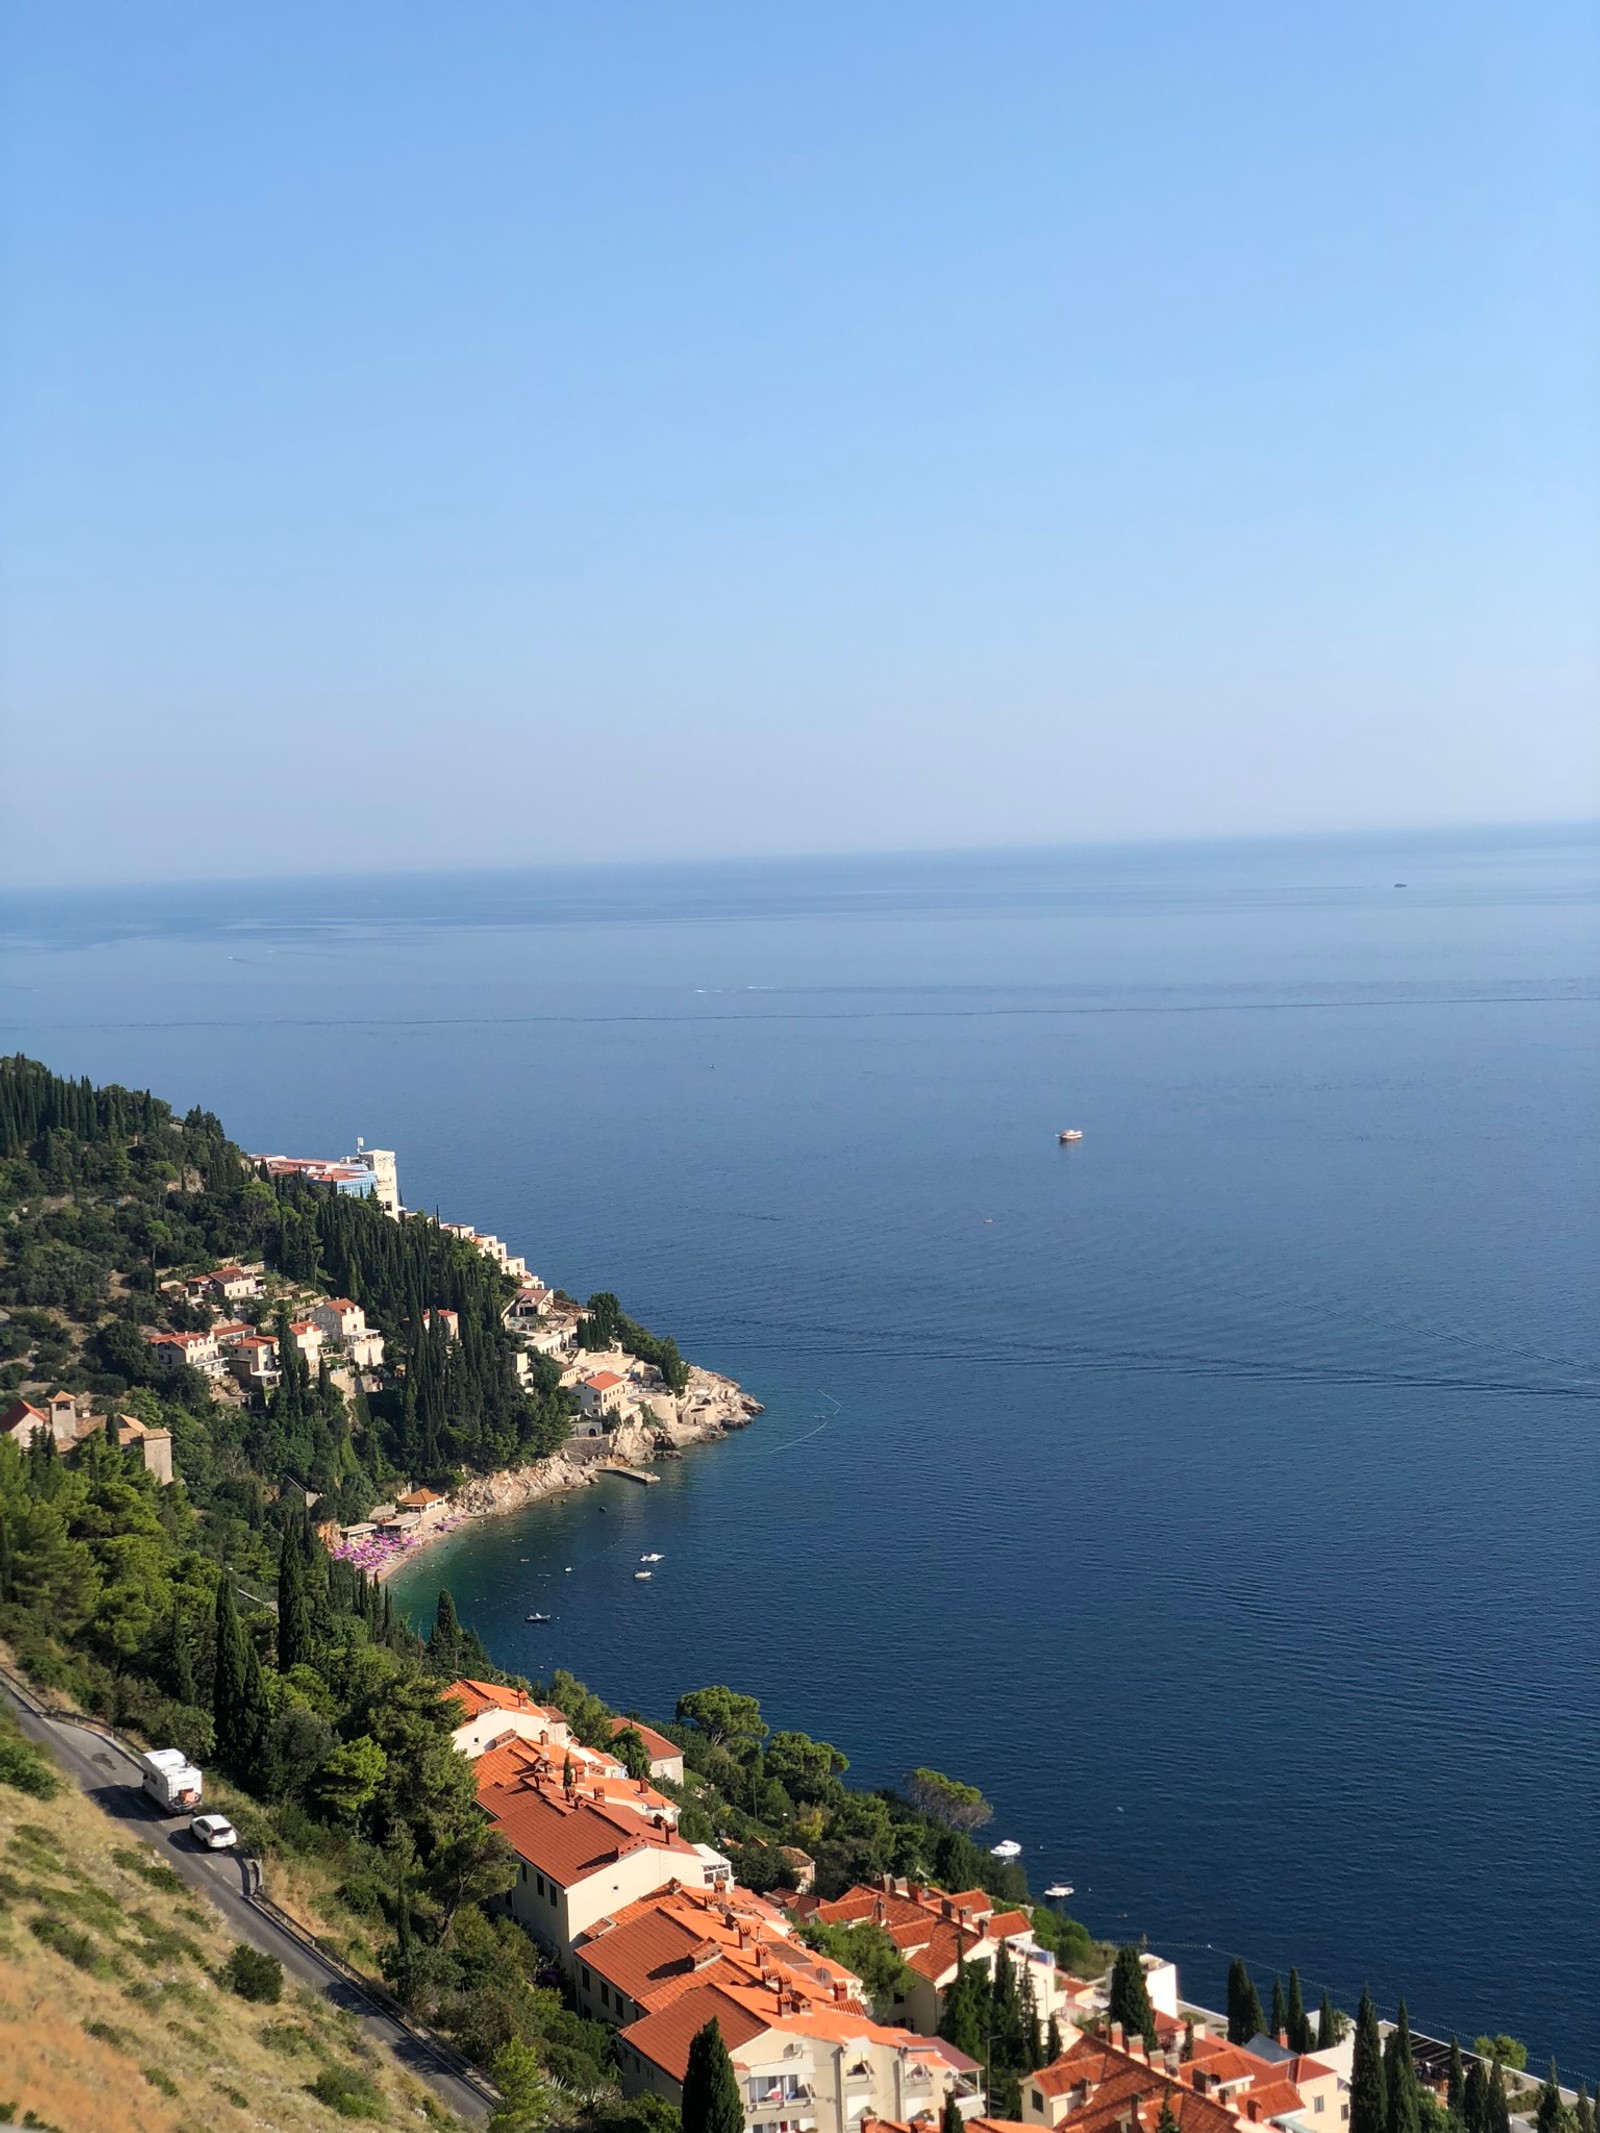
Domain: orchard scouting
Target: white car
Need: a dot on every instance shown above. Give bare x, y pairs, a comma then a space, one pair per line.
215, 1832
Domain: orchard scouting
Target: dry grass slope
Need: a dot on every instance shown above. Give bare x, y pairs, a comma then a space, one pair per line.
111, 2017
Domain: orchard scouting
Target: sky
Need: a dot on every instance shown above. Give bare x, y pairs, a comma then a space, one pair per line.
519, 433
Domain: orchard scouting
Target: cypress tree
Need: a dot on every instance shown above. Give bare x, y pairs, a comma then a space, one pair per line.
1550, 2115
1327, 2026
294, 1608
1052, 2042
444, 1640
1245, 2019
1129, 1999
1166, 2123
1299, 2024
1583, 2111
228, 1690
1497, 2110
180, 1668
711, 2099
1369, 2098
950, 2118
257, 1711
1475, 2099
1280, 2011
1455, 2092
1400, 2075
962, 2020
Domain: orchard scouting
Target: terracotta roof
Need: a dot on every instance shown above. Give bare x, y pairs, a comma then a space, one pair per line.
657, 1744
666, 1943
664, 2037
476, 1697
571, 1839
602, 1381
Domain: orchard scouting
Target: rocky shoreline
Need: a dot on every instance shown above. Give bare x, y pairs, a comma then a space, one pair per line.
707, 1410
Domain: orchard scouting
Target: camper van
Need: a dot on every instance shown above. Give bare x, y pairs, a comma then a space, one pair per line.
171, 1780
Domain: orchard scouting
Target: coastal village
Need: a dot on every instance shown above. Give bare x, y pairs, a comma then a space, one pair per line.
626, 1414
658, 1940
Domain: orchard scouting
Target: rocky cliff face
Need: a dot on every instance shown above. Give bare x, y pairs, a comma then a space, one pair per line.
710, 1406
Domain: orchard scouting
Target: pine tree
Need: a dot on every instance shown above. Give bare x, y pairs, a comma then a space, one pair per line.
1327, 2026
1129, 1999
1245, 2019
711, 2098
228, 1690
294, 1610
1369, 2098
1400, 2076
1550, 2116
1299, 2025
1280, 2010
1455, 2093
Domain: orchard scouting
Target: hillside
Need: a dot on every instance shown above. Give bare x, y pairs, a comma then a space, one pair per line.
112, 2015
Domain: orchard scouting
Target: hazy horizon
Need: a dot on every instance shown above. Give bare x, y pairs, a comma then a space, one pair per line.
1392, 839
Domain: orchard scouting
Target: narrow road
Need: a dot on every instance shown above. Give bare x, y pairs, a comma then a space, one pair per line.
109, 1777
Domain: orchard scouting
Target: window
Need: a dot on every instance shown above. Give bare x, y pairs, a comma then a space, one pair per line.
1038, 2100
588, 1981
605, 1993
1317, 2102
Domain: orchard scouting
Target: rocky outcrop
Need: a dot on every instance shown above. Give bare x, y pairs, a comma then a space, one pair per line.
707, 1409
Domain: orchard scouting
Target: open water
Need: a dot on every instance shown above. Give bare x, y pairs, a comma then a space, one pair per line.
1221, 1494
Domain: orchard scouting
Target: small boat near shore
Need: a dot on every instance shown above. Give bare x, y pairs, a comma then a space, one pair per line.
642, 1576
1059, 1888
1007, 1848
538, 1618
1068, 1134
651, 1558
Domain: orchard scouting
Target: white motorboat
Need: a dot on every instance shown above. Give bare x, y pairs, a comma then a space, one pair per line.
1007, 1848
1059, 1888
1069, 1133
651, 1558
642, 1576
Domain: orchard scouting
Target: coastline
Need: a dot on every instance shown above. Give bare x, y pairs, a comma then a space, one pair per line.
709, 1408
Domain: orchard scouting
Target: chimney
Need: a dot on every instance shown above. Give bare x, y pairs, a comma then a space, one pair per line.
1283, 2038
1136, 2048
1252, 2110
1115, 2036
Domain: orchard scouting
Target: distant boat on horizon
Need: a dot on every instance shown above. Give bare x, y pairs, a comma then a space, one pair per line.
1069, 1133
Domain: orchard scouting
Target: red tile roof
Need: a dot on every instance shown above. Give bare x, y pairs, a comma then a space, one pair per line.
569, 1840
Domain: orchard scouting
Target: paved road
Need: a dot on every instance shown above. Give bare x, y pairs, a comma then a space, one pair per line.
110, 1778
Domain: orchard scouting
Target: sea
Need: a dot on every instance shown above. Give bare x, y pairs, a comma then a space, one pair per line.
1220, 1492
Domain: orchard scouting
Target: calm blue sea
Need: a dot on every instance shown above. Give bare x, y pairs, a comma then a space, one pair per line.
1221, 1494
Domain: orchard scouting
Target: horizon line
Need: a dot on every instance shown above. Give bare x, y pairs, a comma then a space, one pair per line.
43, 892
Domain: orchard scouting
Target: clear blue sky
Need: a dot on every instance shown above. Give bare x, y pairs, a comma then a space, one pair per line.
517, 432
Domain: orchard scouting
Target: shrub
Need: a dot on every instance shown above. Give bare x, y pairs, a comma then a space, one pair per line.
158, 2080
286, 2037
78, 1947
252, 1975
148, 1869
348, 2091
25, 1767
